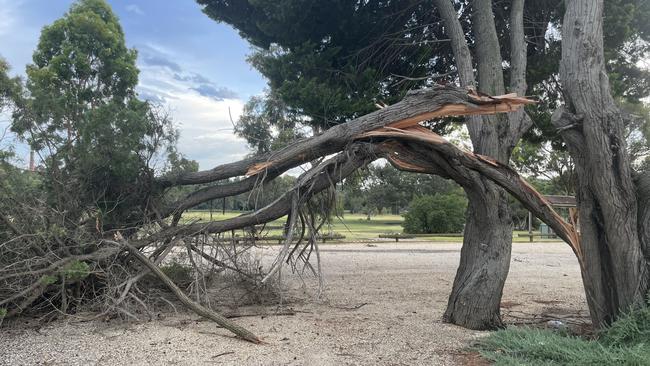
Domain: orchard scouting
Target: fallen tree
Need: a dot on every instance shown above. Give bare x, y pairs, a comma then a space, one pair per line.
43, 277
43, 269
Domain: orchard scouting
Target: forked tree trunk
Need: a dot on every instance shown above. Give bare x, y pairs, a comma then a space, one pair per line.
485, 256
614, 269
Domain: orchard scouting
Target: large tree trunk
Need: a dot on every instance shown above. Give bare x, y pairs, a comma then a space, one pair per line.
485, 257
613, 266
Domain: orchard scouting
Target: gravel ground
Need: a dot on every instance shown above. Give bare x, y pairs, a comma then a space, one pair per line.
382, 305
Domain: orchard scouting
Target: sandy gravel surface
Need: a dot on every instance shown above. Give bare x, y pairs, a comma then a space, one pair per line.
400, 290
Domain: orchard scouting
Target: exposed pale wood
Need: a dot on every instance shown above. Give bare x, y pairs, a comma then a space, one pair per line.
501, 104
417, 106
501, 174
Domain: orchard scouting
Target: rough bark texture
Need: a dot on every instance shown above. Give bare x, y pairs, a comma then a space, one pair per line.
613, 266
475, 300
417, 106
485, 257
642, 183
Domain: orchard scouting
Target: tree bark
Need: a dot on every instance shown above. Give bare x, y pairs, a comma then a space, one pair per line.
475, 300
485, 256
614, 270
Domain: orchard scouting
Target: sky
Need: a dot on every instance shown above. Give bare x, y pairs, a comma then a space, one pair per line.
193, 65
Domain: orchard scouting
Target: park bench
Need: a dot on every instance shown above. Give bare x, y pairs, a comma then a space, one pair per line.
541, 236
397, 236
282, 238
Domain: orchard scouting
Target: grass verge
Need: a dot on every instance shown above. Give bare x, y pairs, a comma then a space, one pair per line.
625, 342
352, 226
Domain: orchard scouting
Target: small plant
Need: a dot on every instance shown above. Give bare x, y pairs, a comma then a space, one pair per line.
75, 271
48, 280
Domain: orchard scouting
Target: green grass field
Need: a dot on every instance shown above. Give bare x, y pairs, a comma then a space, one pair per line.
352, 226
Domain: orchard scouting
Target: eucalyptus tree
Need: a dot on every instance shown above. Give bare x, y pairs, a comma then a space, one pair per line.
613, 200
81, 113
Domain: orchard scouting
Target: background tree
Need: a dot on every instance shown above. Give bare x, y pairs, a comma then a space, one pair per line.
267, 123
9, 88
436, 214
81, 113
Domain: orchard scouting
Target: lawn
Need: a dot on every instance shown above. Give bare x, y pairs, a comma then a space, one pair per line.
352, 226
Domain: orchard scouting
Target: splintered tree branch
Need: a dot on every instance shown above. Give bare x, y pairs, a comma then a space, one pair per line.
417, 106
393, 132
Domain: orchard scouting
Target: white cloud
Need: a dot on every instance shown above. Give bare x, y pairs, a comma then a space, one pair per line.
8, 16
133, 8
206, 130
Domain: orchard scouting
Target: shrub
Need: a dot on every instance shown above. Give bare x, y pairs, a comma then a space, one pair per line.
435, 214
179, 273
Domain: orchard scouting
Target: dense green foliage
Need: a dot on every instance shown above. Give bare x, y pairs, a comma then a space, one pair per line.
436, 214
334, 60
81, 114
8, 86
96, 145
625, 342
8, 89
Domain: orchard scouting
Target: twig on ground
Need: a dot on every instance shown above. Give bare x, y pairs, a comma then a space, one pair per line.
355, 307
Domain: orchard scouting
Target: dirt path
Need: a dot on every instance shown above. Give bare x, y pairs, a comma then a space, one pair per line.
382, 306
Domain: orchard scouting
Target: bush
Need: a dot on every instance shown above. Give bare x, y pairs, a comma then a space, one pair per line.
435, 214
625, 342
179, 273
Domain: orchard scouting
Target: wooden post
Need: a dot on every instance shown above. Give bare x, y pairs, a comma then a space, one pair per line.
530, 226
